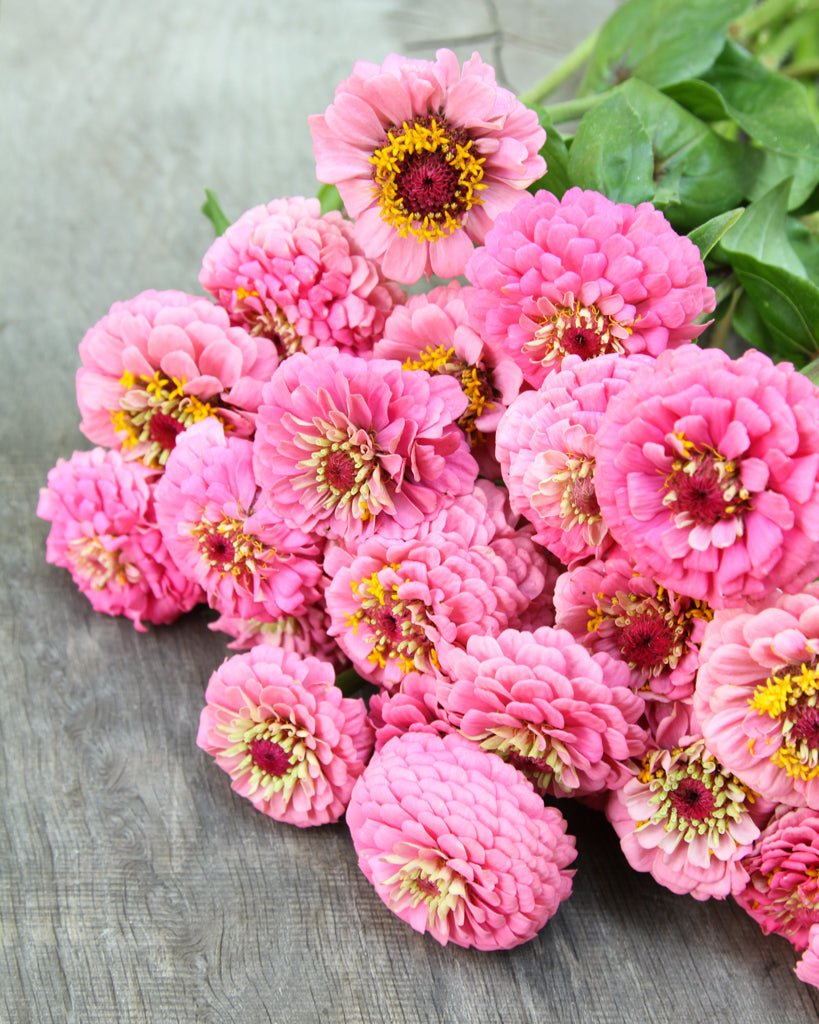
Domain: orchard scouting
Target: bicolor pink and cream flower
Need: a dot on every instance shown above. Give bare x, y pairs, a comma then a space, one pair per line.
546, 446
586, 276
708, 474
343, 443
567, 719
283, 732
222, 534
757, 695
607, 606
782, 895
157, 363
457, 843
104, 531
425, 155
286, 272
687, 821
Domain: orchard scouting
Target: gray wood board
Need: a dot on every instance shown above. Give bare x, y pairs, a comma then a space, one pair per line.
134, 885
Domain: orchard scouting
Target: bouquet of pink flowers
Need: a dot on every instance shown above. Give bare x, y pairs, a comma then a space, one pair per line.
527, 533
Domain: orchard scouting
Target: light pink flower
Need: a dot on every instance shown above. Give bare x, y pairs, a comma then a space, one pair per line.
344, 443
286, 272
757, 695
587, 276
291, 743
431, 332
457, 843
104, 531
807, 969
392, 601
782, 895
708, 474
607, 606
222, 534
546, 446
687, 821
564, 717
413, 707
425, 155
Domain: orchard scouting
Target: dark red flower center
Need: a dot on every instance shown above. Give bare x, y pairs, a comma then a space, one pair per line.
340, 471
646, 641
583, 497
269, 757
164, 430
426, 184
584, 342
700, 493
692, 799
806, 724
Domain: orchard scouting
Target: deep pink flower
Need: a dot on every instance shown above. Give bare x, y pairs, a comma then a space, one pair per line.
607, 606
807, 969
164, 360
687, 821
564, 717
222, 534
546, 446
343, 443
104, 531
413, 707
291, 743
587, 276
457, 843
708, 474
782, 895
757, 695
431, 332
286, 272
425, 155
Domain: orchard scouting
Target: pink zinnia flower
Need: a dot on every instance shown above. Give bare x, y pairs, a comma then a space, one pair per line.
708, 474
584, 275
564, 717
807, 969
222, 534
607, 606
546, 446
431, 332
343, 443
457, 843
757, 695
164, 360
782, 895
687, 821
285, 272
413, 707
425, 155
291, 743
104, 531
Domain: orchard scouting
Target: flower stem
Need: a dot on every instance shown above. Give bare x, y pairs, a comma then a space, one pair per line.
763, 15
571, 63
571, 110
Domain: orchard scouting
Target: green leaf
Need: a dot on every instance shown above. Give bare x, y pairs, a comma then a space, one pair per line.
660, 41
556, 154
706, 236
762, 235
329, 198
611, 152
214, 212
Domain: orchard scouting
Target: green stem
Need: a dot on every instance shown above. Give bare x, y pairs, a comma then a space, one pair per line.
574, 109
763, 15
802, 69
719, 335
567, 67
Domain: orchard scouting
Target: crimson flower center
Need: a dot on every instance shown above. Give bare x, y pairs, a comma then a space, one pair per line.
269, 757
646, 641
692, 799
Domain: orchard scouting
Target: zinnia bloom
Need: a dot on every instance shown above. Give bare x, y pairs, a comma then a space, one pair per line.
687, 821
782, 895
607, 606
583, 275
343, 443
708, 474
291, 743
162, 361
425, 155
546, 446
807, 969
457, 843
564, 717
431, 332
413, 707
285, 272
757, 695
104, 531
222, 534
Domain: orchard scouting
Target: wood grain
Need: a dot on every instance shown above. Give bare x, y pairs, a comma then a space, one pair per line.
134, 885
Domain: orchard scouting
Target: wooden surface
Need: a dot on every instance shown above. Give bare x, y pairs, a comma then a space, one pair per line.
134, 885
